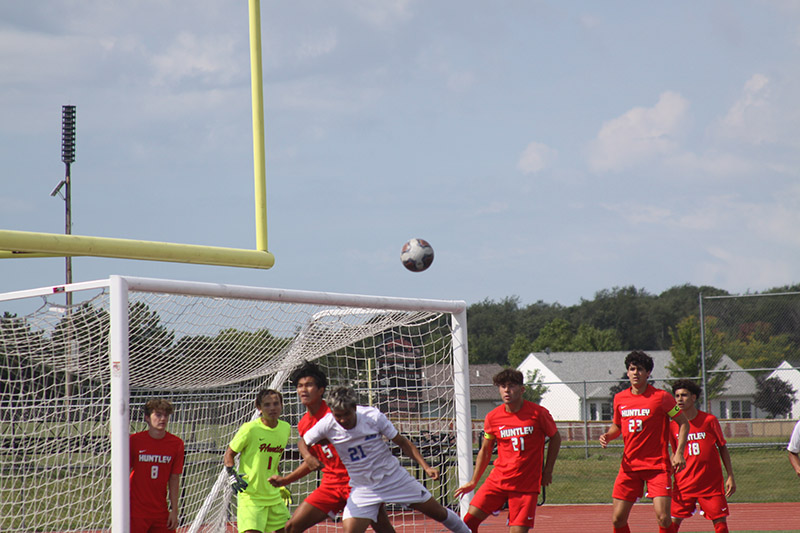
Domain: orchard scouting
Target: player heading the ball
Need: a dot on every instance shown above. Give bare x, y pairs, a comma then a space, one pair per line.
375, 474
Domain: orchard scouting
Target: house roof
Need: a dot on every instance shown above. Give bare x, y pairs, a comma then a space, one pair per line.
597, 369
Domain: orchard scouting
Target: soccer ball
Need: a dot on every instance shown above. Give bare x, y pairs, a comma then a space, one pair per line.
416, 255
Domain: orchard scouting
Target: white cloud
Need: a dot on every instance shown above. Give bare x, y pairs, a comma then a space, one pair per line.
383, 13
210, 58
751, 118
320, 45
639, 135
739, 272
536, 157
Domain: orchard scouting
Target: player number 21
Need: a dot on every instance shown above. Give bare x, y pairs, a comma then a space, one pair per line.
518, 443
634, 425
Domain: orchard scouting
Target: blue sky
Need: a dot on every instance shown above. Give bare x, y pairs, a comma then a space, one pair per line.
546, 149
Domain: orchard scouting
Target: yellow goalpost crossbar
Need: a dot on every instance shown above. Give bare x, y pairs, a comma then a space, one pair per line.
24, 244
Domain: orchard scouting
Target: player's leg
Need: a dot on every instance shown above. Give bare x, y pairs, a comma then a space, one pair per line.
659, 488
446, 517
276, 517
251, 518
661, 505
716, 509
680, 509
521, 511
383, 524
676, 524
355, 525
488, 499
305, 517
620, 511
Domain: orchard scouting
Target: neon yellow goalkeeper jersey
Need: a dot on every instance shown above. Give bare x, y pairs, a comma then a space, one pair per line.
260, 448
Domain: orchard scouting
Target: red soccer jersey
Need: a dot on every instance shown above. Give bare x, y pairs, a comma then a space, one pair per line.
152, 462
644, 421
333, 470
703, 473
520, 440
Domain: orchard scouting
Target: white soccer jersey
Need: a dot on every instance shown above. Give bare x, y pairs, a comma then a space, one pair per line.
794, 442
362, 449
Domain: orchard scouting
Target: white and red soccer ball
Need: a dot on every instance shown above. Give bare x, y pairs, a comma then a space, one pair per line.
416, 255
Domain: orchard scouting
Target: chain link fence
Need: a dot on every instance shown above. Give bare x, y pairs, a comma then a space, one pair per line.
750, 376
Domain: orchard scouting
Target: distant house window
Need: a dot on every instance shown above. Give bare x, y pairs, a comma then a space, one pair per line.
741, 409
600, 411
473, 411
723, 409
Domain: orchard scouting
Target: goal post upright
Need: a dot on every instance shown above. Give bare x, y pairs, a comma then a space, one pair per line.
120, 407
462, 402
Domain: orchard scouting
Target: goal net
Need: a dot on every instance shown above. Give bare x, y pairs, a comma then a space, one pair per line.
74, 381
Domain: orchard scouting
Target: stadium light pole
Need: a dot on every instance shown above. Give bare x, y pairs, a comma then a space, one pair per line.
68, 157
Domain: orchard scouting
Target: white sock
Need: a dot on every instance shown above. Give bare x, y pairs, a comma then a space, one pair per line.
454, 523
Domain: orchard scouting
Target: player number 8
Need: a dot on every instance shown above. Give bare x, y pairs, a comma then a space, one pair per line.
154, 472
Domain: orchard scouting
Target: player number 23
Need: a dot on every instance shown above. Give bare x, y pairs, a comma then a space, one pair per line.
634, 425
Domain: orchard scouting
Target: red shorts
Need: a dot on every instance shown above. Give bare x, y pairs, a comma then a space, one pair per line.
329, 497
149, 524
629, 485
713, 506
521, 505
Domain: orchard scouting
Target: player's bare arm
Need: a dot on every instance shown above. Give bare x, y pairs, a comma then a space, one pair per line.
678, 459
481, 462
298, 473
612, 433
794, 460
309, 459
411, 451
174, 491
553, 446
730, 483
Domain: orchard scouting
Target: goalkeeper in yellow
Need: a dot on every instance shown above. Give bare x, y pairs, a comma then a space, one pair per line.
260, 444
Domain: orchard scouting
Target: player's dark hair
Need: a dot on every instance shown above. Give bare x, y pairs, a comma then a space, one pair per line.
342, 398
309, 370
508, 376
158, 404
687, 384
640, 359
263, 393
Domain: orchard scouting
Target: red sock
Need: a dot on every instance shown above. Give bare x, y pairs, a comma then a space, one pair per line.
665, 529
623, 529
721, 527
472, 522
675, 527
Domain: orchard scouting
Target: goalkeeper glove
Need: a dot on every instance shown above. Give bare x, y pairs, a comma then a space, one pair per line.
236, 481
286, 495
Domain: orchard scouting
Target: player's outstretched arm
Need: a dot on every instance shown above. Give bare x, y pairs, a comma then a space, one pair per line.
612, 433
730, 483
309, 459
298, 473
481, 462
411, 451
553, 446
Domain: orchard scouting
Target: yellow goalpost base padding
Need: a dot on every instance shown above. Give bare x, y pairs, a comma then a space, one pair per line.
23, 244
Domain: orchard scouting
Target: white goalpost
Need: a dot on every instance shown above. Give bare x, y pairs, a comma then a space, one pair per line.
74, 380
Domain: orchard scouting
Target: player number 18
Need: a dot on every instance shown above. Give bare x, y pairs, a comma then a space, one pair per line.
694, 448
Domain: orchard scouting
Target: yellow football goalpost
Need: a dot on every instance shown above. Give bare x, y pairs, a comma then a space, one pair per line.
22, 244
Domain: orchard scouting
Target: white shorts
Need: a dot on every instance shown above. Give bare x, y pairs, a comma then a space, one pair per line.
398, 487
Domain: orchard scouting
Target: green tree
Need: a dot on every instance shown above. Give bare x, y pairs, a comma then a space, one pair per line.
686, 351
492, 328
591, 339
774, 396
519, 350
555, 336
534, 386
